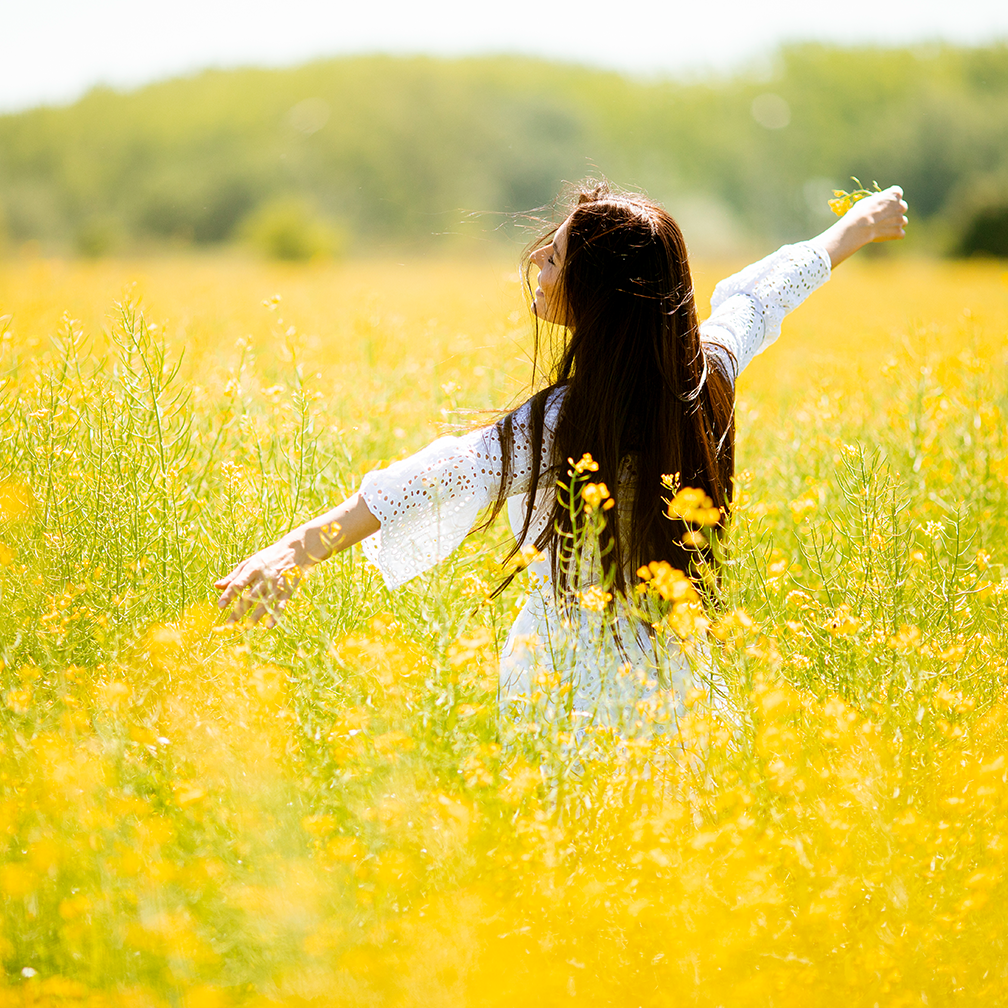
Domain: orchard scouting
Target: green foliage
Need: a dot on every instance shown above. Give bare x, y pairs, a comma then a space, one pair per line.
986, 233
406, 149
287, 229
96, 236
983, 211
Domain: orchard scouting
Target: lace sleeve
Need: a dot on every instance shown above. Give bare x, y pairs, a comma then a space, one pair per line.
428, 503
747, 308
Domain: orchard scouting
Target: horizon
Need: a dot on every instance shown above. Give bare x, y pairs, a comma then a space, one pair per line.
760, 68
115, 45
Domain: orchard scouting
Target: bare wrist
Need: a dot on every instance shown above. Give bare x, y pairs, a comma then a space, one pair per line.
297, 545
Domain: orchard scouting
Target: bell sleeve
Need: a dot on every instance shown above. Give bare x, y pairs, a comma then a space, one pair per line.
747, 308
428, 503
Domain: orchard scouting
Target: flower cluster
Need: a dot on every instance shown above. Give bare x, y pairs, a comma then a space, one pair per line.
584, 464
694, 506
671, 584
842, 201
594, 598
595, 494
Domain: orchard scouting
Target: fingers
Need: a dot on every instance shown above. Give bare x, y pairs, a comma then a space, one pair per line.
271, 610
246, 601
223, 582
890, 217
252, 587
887, 197
270, 605
236, 582
891, 232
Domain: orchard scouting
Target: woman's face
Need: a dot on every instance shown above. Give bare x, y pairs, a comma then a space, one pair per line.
549, 304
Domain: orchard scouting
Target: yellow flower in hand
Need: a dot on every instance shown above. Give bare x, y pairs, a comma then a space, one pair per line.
843, 201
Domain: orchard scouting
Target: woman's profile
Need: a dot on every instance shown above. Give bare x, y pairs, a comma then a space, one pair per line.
639, 385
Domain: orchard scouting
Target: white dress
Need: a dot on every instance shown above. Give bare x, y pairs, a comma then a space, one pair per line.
429, 502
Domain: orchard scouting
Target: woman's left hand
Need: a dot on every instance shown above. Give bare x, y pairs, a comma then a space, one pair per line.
882, 216
876, 218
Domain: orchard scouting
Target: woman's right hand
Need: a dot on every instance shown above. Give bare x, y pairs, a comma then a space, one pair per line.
263, 583
266, 580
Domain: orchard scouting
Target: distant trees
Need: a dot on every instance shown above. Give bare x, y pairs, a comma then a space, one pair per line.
383, 150
986, 232
287, 228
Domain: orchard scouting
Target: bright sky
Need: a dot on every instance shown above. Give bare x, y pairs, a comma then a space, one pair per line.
54, 50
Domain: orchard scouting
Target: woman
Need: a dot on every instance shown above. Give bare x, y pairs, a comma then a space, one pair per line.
640, 385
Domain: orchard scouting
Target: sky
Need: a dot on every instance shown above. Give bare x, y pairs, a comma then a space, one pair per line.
52, 51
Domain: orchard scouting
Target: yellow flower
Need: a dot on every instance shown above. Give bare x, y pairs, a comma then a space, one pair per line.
777, 566
694, 540
595, 598
188, 794
671, 584
843, 201
801, 507
842, 623
15, 499
842, 204
17, 879
586, 464
905, 638
19, 700
797, 598
736, 623
688, 619
691, 505
593, 495
528, 554
112, 694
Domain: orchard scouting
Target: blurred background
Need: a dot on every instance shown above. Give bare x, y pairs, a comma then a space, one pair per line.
318, 129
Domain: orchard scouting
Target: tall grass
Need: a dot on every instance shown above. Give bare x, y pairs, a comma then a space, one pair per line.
334, 812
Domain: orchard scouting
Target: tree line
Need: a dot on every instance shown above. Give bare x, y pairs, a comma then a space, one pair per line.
377, 151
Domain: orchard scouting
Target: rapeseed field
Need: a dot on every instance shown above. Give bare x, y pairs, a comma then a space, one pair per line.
334, 812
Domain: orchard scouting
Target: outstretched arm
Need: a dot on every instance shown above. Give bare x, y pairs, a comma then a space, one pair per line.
748, 307
423, 506
267, 579
876, 218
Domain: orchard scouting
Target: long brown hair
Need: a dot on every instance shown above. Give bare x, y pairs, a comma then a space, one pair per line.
639, 386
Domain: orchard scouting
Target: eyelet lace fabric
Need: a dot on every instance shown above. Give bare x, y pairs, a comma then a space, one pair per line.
747, 309
428, 503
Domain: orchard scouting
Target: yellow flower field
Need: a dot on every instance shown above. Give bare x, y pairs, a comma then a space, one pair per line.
334, 813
